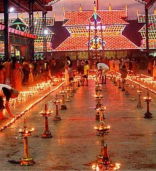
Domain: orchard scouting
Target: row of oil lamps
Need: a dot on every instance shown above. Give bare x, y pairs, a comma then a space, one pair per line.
130, 89
25, 132
103, 160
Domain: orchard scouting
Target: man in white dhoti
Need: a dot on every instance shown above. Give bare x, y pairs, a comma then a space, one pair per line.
102, 69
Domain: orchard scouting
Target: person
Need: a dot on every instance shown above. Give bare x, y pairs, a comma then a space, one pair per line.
86, 72
103, 69
69, 62
7, 92
150, 66
111, 64
123, 72
154, 70
71, 75
2, 74
16, 74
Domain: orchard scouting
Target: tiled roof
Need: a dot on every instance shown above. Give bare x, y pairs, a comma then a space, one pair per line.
152, 44
151, 27
81, 43
108, 17
38, 47
142, 18
18, 32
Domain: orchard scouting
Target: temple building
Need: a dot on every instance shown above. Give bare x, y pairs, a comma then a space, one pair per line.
108, 34
151, 31
21, 25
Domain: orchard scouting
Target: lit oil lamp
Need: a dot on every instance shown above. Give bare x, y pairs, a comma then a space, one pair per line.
132, 98
46, 113
103, 162
114, 80
25, 133
139, 105
127, 89
63, 105
56, 103
98, 89
102, 129
100, 113
73, 87
148, 99
67, 95
69, 89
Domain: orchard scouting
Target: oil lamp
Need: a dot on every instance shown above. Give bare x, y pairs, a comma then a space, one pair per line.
114, 80
69, 89
63, 105
98, 89
132, 98
102, 129
127, 89
148, 99
98, 98
73, 87
100, 113
119, 86
103, 162
25, 133
46, 113
67, 95
139, 105
56, 103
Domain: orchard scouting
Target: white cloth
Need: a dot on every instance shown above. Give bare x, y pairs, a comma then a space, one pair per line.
103, 67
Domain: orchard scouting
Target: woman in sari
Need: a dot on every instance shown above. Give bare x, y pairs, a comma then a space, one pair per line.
2, 74
16, 74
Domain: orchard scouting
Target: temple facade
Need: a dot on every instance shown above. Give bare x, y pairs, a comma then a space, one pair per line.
106, 38
21, 25
151, 31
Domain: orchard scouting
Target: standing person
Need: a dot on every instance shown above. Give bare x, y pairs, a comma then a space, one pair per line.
154, 70
150, 66
16, 74
2, 74
123, 72
117, 64
46, 71
31, 72
26, 71
6, 65
69, 61
66, 74
71, 75
111, 64
86, 73
7, 92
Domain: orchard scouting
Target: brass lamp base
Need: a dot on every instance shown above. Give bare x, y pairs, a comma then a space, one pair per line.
63, 107
57, 118
47, 134
27, 161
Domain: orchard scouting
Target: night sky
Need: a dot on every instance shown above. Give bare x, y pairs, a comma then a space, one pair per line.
73, 5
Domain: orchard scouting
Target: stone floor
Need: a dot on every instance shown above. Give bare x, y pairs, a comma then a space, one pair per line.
74, 145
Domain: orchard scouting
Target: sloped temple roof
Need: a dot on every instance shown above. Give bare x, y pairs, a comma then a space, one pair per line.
151, 30
112, 24
108, 17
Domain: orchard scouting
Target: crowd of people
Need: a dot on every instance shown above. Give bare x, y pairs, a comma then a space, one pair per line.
15, 73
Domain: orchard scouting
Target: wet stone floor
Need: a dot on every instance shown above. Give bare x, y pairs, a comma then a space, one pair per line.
75, 145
